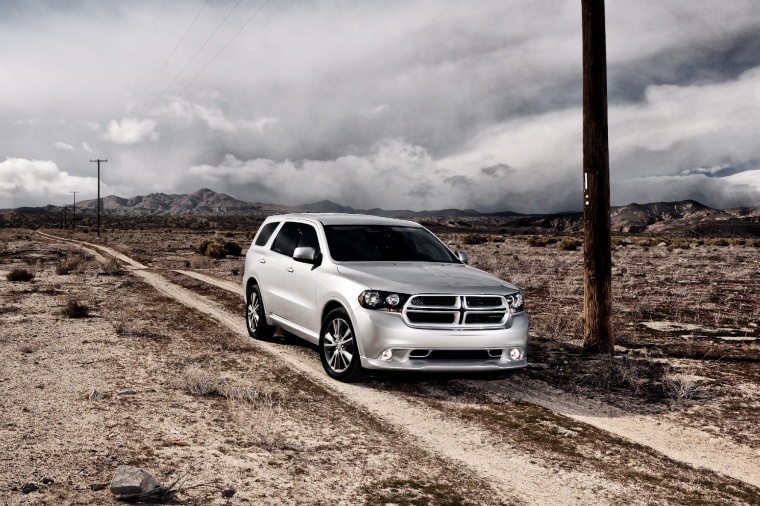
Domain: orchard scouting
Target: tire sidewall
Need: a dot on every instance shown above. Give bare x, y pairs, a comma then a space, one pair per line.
255, 333
355, 360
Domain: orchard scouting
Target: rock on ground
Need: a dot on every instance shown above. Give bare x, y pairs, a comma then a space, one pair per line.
130, 480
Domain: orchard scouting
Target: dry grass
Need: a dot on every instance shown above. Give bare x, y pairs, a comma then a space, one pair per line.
199, 262
76, 264
199, 381
111, 267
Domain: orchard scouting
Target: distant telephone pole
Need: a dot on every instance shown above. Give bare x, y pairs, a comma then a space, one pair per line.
74, 210
98, 162
597, 243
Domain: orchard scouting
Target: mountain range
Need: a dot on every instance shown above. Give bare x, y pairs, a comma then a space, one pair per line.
683, 218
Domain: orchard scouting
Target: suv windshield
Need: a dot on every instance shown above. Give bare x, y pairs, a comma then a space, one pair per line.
382, 243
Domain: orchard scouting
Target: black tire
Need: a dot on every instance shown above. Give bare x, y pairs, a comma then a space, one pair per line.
255, 318
338, 349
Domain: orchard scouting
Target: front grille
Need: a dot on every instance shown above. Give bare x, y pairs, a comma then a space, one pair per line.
456, 311
483, 318
434, 300
458, 355
478, 302
432, 318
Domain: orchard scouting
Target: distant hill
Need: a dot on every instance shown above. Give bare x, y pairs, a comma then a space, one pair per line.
203, 201
327, 206
684, 218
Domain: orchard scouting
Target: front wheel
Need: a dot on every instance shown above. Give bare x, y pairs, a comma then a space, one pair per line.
338, 349
256, 321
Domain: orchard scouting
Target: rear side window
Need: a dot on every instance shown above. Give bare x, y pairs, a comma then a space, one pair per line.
265, 233
285, 242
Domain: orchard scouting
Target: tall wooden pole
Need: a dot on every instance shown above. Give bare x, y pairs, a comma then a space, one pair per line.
74, 211
597, 279
98, 162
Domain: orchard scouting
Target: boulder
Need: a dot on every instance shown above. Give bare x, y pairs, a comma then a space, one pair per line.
130, 480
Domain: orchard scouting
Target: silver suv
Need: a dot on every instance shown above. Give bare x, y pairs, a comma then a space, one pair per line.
379, 293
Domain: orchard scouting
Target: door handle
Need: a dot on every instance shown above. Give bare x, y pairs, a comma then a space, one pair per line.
289, 269
263, 260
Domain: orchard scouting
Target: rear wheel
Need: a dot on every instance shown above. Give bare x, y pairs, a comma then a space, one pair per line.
255, 318
338, 349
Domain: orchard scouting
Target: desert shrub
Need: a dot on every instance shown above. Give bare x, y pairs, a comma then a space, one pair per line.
68, 265
569, 244
111, 268
217, 247
202, 246
472, 239
539, 241
215, 250
232, 248
720, 242
76, 309
20, 274
755, 243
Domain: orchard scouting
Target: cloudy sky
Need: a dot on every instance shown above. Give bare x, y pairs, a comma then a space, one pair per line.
396, 104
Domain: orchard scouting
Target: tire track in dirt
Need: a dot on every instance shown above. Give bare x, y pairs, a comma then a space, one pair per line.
225, 285
685, 444
517, 475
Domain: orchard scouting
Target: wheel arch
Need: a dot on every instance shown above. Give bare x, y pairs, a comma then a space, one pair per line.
330, 306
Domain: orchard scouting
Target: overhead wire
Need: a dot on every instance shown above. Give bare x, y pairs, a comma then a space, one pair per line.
168, 58
218, 53
197, 52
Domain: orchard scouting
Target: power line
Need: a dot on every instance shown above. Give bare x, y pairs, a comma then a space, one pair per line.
217, 54
169, 57
197, 52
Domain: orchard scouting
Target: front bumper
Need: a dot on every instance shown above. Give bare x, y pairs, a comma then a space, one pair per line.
379, 330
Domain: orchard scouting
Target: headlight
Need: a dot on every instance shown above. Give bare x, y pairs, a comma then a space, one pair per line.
384, 301
516, 303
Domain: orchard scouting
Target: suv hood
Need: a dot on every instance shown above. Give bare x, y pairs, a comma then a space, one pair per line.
424, 277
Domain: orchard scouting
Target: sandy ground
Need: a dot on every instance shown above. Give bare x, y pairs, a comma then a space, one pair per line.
300, 437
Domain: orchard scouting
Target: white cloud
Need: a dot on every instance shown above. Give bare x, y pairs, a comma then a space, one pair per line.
131, 131
63, 146
86, 147
39, 180
750, 179
395, 174
216, 120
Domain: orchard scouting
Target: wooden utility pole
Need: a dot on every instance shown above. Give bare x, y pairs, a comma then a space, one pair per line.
74, 211
597, 244
98, 161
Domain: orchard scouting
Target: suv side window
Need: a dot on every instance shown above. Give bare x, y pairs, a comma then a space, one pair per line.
265, 233
285, 242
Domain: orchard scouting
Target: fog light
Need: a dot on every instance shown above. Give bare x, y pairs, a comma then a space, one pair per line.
387, 354
515, 353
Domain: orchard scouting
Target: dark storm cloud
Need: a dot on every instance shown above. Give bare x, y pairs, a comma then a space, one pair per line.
415, 104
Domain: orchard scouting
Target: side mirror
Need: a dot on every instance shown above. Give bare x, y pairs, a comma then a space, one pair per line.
462, 256
306, 254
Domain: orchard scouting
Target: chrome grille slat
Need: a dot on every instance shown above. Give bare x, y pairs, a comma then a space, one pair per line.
456, 311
